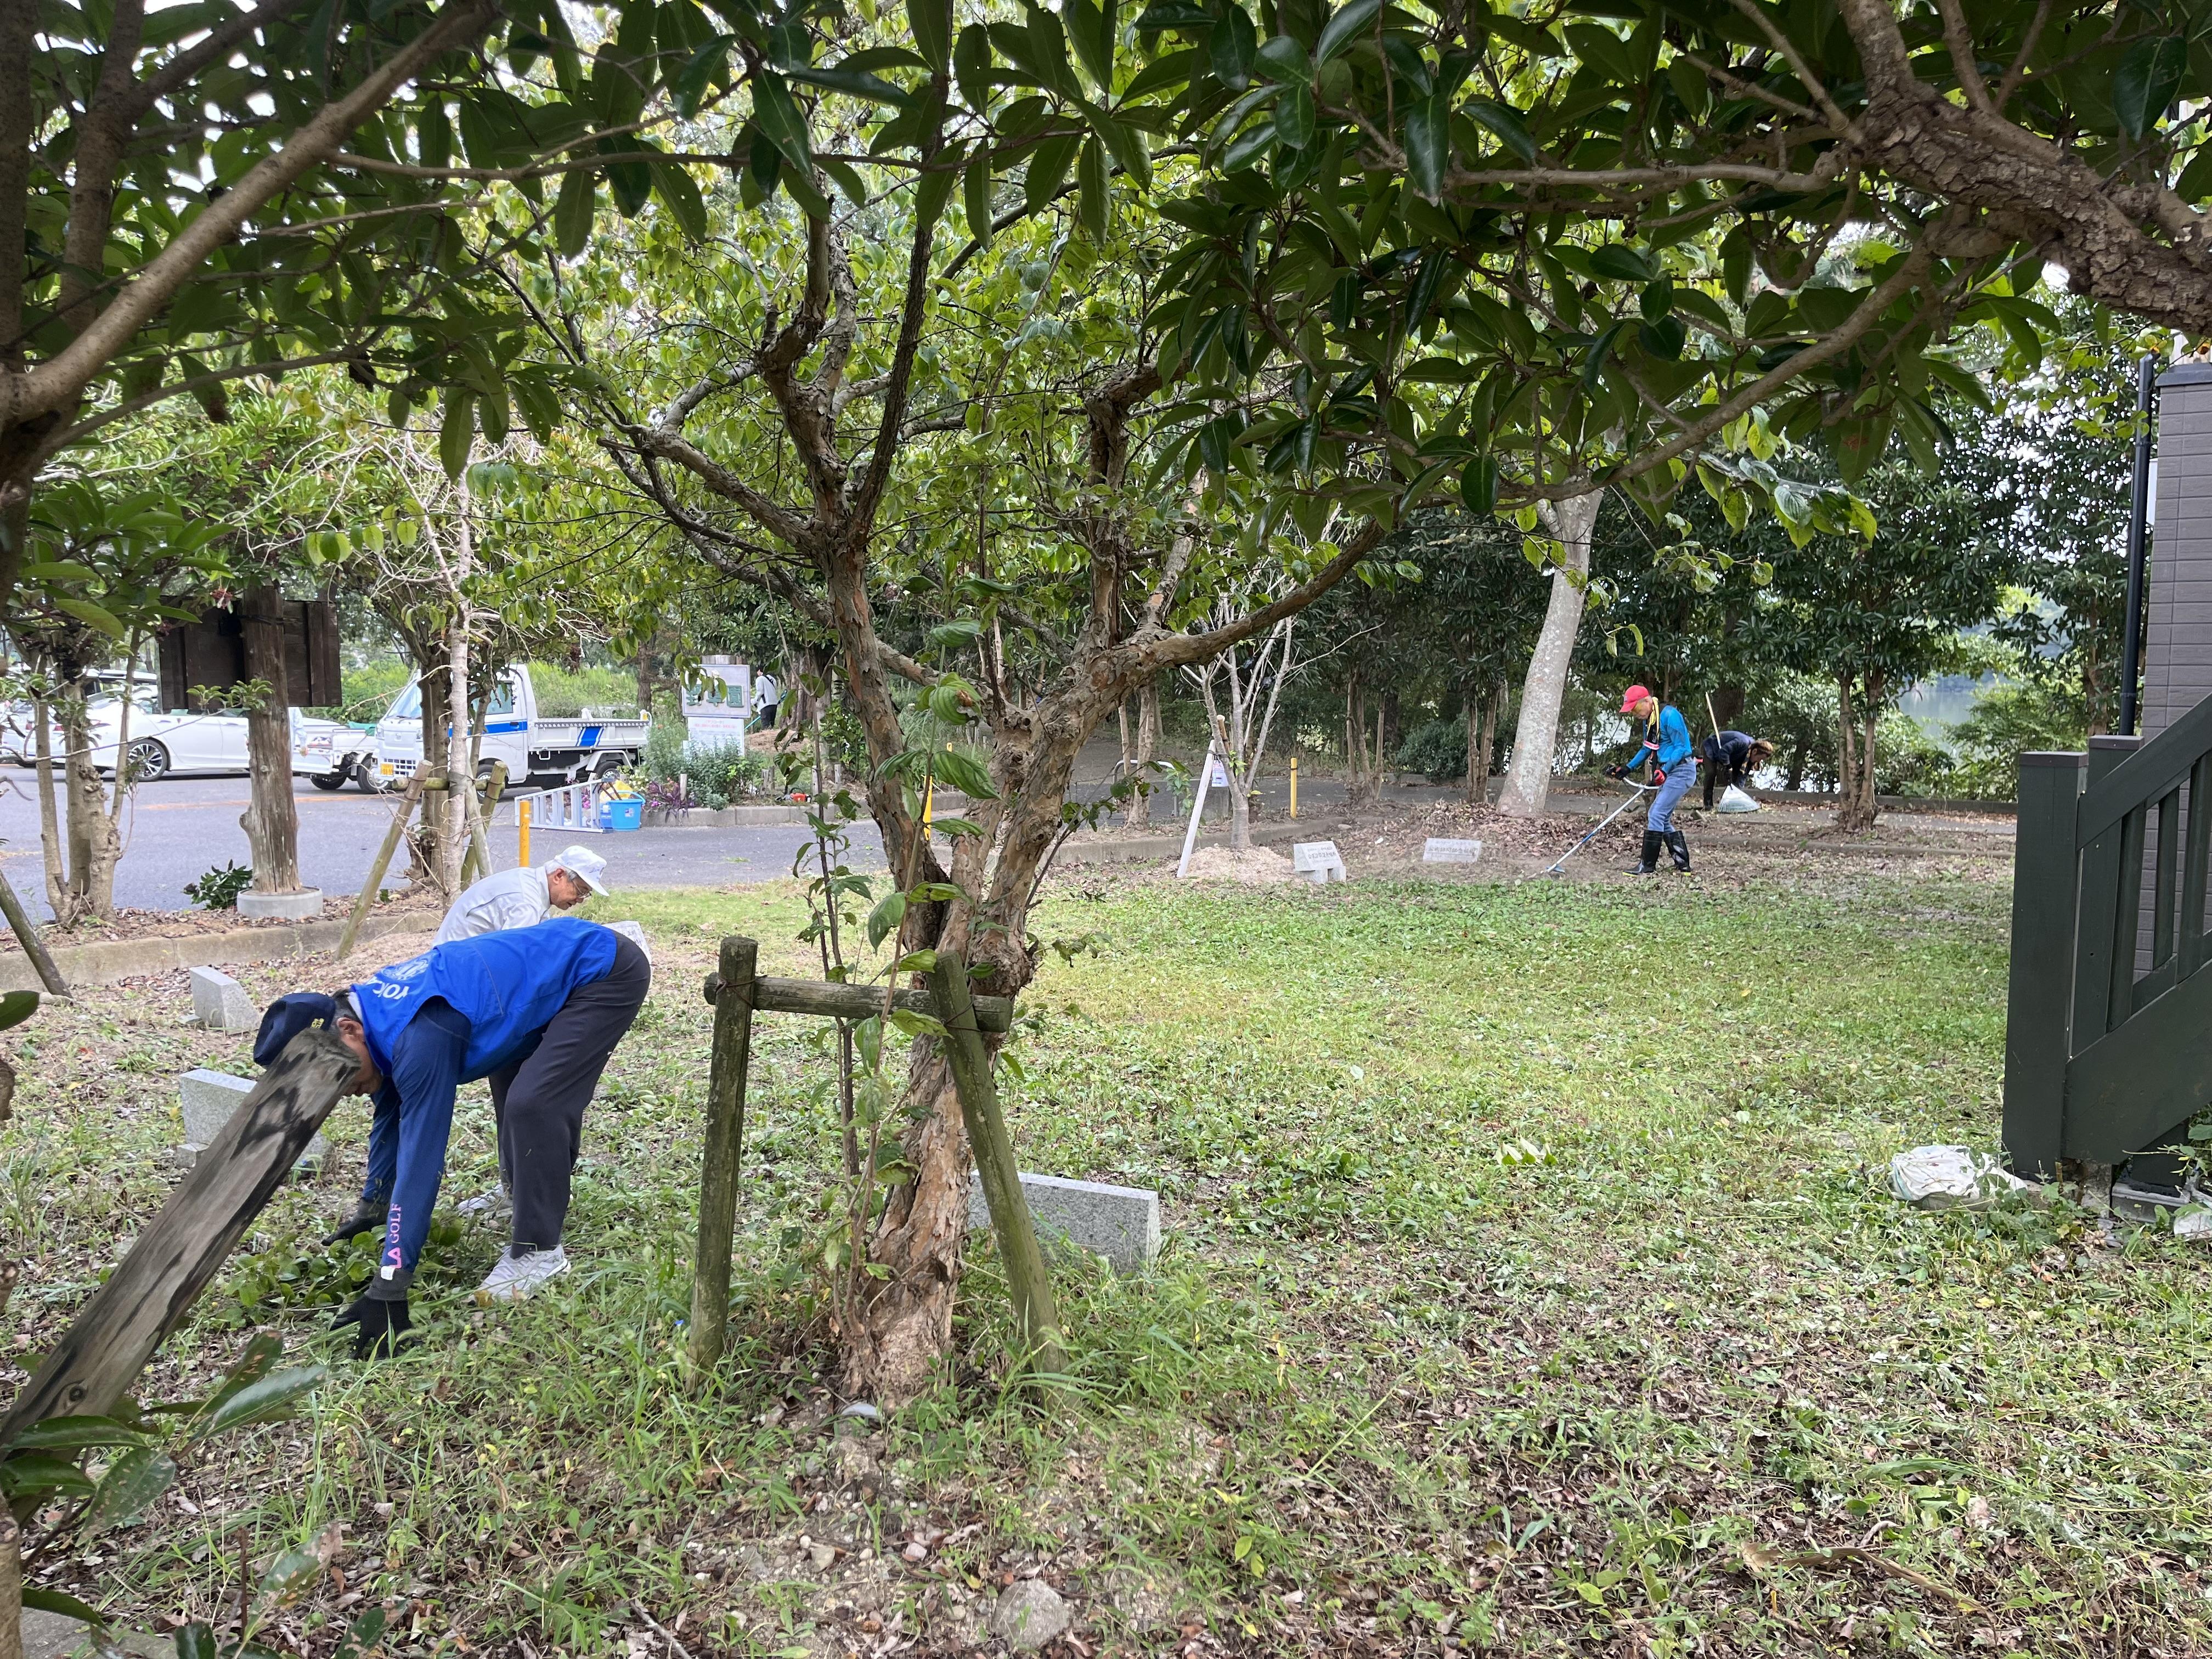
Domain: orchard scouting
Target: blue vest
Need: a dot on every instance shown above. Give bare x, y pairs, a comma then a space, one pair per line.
507, 985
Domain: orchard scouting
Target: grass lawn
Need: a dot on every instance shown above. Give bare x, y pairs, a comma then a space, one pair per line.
1531, 1287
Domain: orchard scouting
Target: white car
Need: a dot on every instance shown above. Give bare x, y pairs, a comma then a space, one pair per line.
162, 743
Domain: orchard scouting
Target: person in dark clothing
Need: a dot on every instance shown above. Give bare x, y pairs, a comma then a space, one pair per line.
1730, 758
539, 1009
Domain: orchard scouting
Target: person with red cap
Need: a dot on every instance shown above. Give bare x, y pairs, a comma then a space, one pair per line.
1666, 747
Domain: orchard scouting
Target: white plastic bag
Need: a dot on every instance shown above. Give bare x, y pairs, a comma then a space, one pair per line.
1734, 799
1950, 1177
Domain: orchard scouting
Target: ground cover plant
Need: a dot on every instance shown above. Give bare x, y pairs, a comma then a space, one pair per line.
1530, 1287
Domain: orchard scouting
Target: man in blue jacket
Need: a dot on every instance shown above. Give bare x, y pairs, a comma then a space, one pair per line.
1666, 747
538, 1010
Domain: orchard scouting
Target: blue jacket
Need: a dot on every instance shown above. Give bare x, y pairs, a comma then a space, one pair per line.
507, 985
1666, 740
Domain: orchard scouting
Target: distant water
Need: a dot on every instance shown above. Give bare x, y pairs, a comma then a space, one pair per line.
1940, 704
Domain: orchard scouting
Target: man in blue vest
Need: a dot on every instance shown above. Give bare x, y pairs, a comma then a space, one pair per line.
538, 1010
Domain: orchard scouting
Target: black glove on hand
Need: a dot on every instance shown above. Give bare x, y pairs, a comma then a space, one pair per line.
362, 1220
1616, 771
380, 1326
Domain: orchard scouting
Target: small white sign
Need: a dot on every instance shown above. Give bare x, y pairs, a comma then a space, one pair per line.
1443, 849
1220, 775
1318, 862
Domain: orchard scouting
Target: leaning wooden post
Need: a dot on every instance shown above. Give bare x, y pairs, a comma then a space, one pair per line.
731, 992
170, 1263
366, 896
1028, 1280
19, 922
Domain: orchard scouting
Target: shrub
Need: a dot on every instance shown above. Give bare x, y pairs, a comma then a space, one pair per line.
2008, 720
218, 889
716, 773
1436, 749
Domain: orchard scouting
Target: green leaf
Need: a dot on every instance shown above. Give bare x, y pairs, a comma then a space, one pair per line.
1478, 485
1600, 348
91, 615
917, 1024
457, 430
1503, 125
16, 1007
1090, 27
1092, 204
1428, 145
883, 921
709, 67
777, 114
935, 188
944, 826
972, 65
1229, 47
836, 78
957, 770
1047, 169
679, 193
264, 1400
37, 1473
54, 1600
975, 194
290, 1573
915, 962
1126, 144
1351, 19
932, 23
1621, 263
572, 212
132, 1481
73, 1433
1282, 58
1294, 116
2146, 81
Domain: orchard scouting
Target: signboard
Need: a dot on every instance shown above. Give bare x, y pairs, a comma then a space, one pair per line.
1443, 849
1220, 775
1318, 862
210, 651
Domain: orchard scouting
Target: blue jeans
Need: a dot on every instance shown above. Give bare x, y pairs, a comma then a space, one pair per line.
1679, 777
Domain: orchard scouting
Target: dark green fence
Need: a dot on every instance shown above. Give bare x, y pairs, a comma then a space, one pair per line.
2108, 1039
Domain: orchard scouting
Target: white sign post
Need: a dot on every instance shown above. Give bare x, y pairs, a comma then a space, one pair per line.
1444, 849
1197, 805
1318, 862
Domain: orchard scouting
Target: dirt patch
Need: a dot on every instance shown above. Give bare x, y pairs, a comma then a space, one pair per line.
1256, 868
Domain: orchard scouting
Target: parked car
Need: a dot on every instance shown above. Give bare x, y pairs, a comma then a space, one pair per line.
536, 749
328, 752
161, 742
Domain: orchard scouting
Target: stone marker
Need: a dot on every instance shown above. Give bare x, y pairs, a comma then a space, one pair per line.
220, 1002
1121, 1224
305, 905
1443, 849
635, 934
207, 1099
1317, 862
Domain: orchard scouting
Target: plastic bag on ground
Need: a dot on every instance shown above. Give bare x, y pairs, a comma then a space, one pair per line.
1951, 1178
1734, 799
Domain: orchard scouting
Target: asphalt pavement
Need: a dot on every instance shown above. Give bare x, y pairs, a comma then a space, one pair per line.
176, 829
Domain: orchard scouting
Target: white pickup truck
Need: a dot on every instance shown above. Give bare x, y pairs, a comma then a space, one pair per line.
536, 749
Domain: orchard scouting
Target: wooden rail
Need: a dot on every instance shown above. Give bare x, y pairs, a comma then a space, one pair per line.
834, 1001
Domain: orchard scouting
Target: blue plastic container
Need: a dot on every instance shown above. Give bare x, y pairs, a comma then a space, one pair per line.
622, 815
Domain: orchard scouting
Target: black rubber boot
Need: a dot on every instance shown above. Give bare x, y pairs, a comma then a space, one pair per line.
1678, 845
1653, 839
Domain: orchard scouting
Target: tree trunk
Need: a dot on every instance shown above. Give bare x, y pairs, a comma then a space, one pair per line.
428, 859
1727, 706
50, 823
1855, 792
1476, 773
1139, 813
93, 835
453, 842
1535, 739
1240, 807
1493, 706
271, 819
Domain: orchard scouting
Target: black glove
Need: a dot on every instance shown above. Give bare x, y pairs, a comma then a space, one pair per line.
1616, 771
380, 1325
364, 1219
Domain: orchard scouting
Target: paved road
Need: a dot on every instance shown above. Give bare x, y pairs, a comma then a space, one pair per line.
176, 829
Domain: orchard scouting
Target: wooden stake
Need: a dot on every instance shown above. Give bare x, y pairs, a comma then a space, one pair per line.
730, 991
170, 1262
19, 923
366, 896
1028, 1280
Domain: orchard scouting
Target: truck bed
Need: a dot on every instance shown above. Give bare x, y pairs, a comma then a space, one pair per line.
587, 734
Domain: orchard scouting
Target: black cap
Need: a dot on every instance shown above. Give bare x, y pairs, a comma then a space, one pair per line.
287, 1018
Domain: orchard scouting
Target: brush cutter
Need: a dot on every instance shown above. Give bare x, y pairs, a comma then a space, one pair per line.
1641, 789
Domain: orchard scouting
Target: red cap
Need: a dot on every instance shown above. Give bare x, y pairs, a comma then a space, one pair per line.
1636, 695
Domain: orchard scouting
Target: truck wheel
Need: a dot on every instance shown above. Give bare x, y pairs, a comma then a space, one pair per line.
328, 780
369, 780
608, 766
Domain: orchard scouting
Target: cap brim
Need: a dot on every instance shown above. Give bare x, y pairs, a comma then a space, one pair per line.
592, 882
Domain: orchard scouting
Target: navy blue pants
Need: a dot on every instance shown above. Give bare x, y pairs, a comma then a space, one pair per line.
408, 1135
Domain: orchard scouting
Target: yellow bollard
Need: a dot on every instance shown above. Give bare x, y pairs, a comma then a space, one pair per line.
1294, 786
522, 832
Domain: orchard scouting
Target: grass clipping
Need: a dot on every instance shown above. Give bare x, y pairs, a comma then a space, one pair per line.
1254, 868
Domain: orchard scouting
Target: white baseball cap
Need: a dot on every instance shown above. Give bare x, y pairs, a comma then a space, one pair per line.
585, 864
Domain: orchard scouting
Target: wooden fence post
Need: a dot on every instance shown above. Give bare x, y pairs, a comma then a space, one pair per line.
2040, 1001
171, 1260
1028, 1280
375, 880
730, 991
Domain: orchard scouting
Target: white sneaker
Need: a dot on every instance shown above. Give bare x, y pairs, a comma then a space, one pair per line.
495, 1205
517, 1277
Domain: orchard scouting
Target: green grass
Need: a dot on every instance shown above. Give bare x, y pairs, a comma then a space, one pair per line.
1531, 1280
